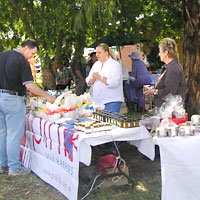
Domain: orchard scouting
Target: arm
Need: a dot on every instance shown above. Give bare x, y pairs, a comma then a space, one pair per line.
61, 83
91, 79
114, 75
78, 73
77, 69
38, 91
170, 83
134, 70
97, 76
150, 91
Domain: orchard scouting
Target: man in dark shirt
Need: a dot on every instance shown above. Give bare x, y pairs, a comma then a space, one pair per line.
15, 78
79, 76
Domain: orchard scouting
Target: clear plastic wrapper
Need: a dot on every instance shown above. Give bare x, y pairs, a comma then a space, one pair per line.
173, 104
66, 106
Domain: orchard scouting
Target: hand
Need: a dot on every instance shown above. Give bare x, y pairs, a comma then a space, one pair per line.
131, 78
50, 98
148, 91
96, 76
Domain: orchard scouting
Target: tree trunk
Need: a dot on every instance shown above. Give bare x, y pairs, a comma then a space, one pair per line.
48, 79
57, 60
191, 52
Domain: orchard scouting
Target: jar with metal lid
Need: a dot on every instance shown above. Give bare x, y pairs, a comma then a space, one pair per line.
137, 124
125, 125
131, 122
118, 121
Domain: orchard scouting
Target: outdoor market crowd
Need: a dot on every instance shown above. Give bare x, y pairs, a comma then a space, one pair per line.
102, 74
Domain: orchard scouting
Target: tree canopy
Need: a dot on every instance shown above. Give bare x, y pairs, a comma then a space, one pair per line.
59, 26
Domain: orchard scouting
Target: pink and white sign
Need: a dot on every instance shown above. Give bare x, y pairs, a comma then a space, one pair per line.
52, 152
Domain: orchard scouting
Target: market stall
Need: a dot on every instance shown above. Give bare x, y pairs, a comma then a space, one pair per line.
53, 150
179, 143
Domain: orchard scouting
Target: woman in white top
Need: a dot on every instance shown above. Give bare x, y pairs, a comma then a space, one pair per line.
105, 79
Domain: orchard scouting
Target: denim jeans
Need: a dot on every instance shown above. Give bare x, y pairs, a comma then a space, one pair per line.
12, 123
113, 106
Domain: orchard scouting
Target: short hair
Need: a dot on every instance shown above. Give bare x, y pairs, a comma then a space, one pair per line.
30, 43
92, 54
168, 44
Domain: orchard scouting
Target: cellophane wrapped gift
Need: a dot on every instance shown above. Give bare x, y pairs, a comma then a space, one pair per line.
173, 108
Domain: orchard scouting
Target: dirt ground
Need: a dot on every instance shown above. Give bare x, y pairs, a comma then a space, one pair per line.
144, 172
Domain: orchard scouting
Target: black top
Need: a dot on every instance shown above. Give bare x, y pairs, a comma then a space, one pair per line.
77, 65
15, 72
172, 80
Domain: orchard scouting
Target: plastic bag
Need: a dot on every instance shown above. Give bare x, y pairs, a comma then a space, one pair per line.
172, 102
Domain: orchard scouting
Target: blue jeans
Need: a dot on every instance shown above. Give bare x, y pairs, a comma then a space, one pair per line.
12, 123
113, 107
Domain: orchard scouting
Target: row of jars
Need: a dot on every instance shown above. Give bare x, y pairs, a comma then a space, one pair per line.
117, 119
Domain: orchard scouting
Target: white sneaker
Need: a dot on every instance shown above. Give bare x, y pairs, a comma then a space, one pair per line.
2, 169
19, 172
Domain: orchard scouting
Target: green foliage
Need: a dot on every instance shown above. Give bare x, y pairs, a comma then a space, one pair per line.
153, 58
41, 20
155, 19
79, 23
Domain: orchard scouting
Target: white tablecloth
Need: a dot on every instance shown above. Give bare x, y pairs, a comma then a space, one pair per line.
180, 167
53, 151
138, 136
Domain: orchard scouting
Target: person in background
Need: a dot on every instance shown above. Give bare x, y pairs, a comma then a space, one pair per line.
78, 72
172, 78
15, 78
91, 61
63, 77
125, 75
139, 77
70, 77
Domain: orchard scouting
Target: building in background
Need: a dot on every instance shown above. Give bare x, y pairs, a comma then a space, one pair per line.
127, 50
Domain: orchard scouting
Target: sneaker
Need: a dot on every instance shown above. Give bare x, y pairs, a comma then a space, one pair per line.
2, 169
19, 172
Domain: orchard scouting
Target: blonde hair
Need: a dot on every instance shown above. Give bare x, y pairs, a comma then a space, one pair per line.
105, 47
168, 44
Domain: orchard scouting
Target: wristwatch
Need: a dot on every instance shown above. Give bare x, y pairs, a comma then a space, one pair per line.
155, 91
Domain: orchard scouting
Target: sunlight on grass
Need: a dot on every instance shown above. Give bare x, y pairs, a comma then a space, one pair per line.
141, 187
